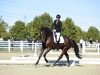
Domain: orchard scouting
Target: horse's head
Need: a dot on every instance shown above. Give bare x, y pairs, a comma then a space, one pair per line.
45, 32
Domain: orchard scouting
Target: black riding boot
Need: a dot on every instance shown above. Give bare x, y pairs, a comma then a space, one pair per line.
57, 46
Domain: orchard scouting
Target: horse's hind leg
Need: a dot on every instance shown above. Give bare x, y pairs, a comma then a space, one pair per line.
46, 54
67, 56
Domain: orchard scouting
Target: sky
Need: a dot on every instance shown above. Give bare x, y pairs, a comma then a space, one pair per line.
84, 13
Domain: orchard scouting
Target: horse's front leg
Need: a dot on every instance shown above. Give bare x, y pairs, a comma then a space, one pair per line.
67, 56
42, 50
46, 54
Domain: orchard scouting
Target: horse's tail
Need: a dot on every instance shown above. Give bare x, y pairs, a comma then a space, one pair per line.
76, 49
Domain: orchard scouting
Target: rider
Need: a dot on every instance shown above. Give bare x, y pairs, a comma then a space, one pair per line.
57, 26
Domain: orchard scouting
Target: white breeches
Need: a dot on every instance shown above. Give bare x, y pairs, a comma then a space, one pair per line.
58, 35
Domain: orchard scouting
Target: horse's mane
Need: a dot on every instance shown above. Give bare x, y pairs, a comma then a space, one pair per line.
47, 30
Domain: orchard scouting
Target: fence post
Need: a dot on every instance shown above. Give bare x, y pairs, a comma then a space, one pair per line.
89, 45
35, 52
9, 45
83, 48
32, 44
21, 46
98, 45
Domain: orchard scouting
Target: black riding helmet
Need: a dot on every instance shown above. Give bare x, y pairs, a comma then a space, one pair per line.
58, 16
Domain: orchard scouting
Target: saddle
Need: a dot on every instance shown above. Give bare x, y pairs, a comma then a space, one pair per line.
61, 39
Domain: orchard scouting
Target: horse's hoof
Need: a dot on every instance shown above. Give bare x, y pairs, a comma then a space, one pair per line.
46, 61
52, 65
68, 65
36, 64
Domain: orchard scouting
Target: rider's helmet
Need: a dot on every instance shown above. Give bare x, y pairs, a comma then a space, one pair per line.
58, 16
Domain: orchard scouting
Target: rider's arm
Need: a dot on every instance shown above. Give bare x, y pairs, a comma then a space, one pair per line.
61, 26
53, 25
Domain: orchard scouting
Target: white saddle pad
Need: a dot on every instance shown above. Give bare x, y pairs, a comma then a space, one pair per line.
61, 40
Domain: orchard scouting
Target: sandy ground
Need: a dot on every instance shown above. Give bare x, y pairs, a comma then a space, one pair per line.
6, 56
48, 70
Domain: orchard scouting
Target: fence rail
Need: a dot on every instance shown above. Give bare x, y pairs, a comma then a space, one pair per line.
91, 47
35, 46
20, 45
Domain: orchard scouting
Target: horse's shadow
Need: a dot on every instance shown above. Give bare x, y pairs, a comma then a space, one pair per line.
63, 63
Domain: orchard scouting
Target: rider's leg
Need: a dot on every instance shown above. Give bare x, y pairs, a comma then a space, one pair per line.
57, 39
58, 36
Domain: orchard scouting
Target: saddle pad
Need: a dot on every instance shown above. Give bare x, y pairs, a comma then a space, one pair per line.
61, 40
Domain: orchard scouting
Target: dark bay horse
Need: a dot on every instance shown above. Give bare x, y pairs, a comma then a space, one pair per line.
48, 44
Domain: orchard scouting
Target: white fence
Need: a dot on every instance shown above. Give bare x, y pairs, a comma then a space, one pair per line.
19, 44
35, 46
91, 47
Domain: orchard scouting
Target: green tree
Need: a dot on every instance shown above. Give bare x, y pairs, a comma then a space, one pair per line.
18, 31
99, 37
69, 29
33, 27
84, 36
3, 29
79, 34
93, 33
